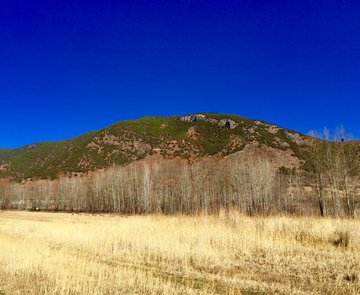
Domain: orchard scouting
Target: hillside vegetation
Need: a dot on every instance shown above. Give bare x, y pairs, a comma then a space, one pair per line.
132, 140
187, 164
23, 162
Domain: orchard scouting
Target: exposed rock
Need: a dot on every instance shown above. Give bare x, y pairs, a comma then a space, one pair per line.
5, 167
281, 142
141, 147
277, 157
273, 129
192, 133
212, 121
111, 139
294, 137
222, 122
92, 145
230, 124
198, 117
185, 119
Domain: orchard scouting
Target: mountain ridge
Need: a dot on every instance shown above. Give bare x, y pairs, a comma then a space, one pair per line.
186, 137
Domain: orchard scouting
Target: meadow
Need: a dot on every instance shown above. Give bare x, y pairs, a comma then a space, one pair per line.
224, 253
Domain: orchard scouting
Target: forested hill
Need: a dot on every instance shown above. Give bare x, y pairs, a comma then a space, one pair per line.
187, 137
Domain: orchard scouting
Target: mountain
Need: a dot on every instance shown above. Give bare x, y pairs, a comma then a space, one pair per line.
183, 137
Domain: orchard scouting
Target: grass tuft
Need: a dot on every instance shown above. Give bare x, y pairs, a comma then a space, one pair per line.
342, 239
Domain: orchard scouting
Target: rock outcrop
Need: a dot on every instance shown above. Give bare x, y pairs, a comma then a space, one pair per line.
212, 121
198, 117
281, 142
185, 119
229, 124
295, 137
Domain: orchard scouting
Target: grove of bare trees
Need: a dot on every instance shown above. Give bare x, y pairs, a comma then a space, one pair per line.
250, 184
336, 166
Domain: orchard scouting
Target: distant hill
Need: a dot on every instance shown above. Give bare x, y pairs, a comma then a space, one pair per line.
185, 137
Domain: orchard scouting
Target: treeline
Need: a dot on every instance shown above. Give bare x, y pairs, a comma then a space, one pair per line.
335, 166
250, 184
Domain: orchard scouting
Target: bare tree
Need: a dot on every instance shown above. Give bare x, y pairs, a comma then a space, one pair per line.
4, 194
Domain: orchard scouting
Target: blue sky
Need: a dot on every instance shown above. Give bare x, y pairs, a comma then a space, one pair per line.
68, 67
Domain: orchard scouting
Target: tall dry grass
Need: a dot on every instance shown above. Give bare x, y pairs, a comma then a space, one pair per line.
59, 253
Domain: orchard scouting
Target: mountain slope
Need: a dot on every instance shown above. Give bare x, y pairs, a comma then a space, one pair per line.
188, 137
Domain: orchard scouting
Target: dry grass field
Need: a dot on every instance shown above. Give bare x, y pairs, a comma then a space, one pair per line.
60, 253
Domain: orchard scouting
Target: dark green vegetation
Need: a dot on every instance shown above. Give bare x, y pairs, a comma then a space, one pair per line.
23, 162
127, 141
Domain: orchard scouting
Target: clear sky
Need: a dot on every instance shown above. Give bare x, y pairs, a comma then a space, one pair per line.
68, 67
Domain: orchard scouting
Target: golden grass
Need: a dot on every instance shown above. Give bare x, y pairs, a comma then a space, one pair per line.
59, 253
